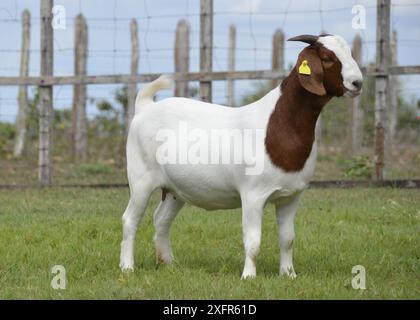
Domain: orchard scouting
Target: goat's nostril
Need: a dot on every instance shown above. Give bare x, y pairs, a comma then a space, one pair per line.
357, 84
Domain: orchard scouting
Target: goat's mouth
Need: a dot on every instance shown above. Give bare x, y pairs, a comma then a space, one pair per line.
352, 88
352, 93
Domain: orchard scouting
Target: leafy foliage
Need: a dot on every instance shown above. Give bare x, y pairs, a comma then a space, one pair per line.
94, 168
260, 91
7, 134
357, 167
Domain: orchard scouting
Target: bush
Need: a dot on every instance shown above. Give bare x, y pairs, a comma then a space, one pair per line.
7, 134
94, 169
357, 167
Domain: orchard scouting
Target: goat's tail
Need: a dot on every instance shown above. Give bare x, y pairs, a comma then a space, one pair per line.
146, 95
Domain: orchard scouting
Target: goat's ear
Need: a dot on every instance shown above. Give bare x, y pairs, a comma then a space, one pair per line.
310, 71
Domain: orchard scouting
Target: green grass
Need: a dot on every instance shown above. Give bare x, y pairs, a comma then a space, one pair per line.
336, 229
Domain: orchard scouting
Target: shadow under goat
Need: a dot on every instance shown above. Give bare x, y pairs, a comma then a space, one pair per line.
282, 130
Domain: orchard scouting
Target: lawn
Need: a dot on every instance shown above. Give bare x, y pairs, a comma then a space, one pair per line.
336, 230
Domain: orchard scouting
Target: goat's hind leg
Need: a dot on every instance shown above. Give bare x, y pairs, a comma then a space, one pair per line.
164, 215
133, 214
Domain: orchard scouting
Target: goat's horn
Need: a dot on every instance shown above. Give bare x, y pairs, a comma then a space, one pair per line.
307, 38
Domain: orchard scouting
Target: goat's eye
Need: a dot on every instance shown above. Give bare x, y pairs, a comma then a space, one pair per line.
327, 62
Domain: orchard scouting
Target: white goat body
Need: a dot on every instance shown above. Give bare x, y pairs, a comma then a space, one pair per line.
209, 186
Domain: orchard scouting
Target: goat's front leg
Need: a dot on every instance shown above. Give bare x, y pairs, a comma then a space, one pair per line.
252, 213
286, 212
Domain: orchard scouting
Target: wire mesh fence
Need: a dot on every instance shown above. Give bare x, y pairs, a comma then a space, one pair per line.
109, 53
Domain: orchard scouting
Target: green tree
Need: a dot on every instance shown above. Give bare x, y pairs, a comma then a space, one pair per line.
121, 96
259, 91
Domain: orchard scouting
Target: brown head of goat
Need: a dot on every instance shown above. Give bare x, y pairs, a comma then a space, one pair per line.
323, 70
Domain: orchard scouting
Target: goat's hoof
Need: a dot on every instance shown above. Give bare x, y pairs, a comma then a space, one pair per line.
162, 259
248, 275
288, 271
126, 268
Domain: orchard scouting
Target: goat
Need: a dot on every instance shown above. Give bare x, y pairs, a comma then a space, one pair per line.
287, 117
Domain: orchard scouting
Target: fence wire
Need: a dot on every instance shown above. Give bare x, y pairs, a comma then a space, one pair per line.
111, 55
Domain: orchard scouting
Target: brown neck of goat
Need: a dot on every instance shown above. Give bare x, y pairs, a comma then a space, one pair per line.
291, 127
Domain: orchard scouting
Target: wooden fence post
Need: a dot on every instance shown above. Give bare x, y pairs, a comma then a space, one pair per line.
277, 56
206, 47
231, 66
79, 91
393, 92
46, 95
356, 127
132, 86
381, 84
21, 119
182, 56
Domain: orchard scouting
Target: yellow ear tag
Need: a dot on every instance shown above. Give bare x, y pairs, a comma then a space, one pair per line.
304, 68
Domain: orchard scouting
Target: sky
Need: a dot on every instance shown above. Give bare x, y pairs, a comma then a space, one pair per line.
255, 20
